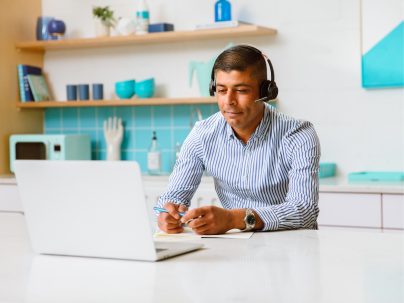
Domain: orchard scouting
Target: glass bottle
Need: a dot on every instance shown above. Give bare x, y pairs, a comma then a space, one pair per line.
154, 157
222, 11
142, 18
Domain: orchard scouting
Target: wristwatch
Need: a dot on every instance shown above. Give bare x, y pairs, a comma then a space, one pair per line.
249, 219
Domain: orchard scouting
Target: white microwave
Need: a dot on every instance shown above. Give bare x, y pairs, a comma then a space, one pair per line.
50, 147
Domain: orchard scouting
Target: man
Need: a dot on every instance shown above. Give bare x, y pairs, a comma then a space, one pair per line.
265, 164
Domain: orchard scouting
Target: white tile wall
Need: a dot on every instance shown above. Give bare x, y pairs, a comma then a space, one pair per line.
316, 56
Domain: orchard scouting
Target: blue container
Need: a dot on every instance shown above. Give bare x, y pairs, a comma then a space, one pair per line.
326, 170
376, 176
161, 27
84, 92
71, 92
145, 89
125, 89
56, 27
98, 92
222, 11
42, 32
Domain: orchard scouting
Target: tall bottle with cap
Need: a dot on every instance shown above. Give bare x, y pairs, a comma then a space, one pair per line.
154, 157
142, 18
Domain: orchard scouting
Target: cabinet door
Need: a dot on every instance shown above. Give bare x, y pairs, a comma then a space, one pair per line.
343, 209
393, 211
10, 198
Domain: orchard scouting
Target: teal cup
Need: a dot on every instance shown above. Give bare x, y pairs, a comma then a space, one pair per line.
145, 89
125, 89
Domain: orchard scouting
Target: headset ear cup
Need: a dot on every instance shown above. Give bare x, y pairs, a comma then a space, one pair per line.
264, 89
272, 91
212, 88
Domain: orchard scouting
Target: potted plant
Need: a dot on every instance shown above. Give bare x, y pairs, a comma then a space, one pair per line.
105, 20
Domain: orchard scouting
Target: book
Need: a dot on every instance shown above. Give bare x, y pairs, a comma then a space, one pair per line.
38, 87
222, 24
23, 71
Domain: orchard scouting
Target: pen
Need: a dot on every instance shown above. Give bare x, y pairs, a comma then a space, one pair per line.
164, 211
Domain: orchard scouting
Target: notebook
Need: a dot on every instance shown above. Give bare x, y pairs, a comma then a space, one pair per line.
188, 232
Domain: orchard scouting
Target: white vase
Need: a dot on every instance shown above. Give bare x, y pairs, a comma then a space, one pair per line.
126, 26
101, 30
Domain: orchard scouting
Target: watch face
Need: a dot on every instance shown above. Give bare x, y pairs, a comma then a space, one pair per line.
250, 220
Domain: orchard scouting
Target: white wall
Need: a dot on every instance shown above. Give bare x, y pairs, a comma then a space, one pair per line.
316, 56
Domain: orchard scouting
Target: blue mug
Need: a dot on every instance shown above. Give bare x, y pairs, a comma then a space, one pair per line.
84, 92
98, 93
71, 92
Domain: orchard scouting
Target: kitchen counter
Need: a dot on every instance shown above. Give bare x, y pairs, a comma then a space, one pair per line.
333, 184
284, 266
343, 185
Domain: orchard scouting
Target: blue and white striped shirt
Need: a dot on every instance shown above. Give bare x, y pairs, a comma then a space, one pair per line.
275, 174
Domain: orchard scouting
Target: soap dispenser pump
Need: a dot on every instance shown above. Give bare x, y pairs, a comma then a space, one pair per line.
154, 157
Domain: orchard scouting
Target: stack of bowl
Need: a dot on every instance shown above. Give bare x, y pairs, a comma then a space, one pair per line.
145, 89
125, 89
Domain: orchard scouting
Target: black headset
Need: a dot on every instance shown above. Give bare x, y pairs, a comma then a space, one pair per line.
268, 88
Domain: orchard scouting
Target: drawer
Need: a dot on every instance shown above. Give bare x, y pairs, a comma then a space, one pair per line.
343, 209
393, 211
10, 198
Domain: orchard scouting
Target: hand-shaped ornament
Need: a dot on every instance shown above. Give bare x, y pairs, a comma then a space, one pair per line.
113, 136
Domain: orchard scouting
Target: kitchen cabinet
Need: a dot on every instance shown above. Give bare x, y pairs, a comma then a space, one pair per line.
393, 211
350, 209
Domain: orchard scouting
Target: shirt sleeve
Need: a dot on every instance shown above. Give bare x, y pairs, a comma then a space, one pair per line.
187, 173
300, 208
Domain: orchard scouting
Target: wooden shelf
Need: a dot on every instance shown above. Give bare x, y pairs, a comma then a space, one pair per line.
241, 31
127, 102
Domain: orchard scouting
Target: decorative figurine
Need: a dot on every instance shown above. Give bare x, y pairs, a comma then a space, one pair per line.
113, 136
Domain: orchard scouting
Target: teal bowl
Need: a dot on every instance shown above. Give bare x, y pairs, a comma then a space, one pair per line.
145, 89
125, 89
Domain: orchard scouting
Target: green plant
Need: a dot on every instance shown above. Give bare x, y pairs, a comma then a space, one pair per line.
105, 15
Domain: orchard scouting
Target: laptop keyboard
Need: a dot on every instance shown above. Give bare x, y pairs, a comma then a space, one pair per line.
161, 249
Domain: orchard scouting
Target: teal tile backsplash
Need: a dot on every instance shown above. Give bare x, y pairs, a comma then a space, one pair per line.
171, 124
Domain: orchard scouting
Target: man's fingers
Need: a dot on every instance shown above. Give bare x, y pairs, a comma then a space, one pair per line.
202, 230
173, 231
172, 210
198, 222
168, 218
182, 208
196, 212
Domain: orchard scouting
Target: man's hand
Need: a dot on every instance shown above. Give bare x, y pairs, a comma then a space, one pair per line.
170, 223
215, 220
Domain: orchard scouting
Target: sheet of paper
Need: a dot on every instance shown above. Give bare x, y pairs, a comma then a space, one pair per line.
188, 232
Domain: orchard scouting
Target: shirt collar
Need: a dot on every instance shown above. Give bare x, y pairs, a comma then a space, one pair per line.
261, 129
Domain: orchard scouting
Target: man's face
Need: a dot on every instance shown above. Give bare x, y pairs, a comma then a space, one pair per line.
236, 94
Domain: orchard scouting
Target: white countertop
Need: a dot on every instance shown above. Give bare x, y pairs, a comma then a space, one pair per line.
333, 184
289, 266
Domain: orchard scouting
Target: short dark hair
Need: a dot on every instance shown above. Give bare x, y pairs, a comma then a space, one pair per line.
241, 59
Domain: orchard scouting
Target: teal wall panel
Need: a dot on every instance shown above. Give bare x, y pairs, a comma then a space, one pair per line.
383, 65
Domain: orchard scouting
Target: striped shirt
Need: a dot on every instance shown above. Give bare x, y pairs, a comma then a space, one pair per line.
275, 173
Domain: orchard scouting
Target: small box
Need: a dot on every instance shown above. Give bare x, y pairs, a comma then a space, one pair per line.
326, 170
161, 27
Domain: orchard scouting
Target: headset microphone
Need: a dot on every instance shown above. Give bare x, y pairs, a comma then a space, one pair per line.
268, 89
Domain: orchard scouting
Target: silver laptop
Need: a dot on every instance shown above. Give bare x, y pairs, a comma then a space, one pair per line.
90, 209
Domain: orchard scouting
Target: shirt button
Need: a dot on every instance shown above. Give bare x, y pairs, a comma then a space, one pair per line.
242, 178
247, 151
